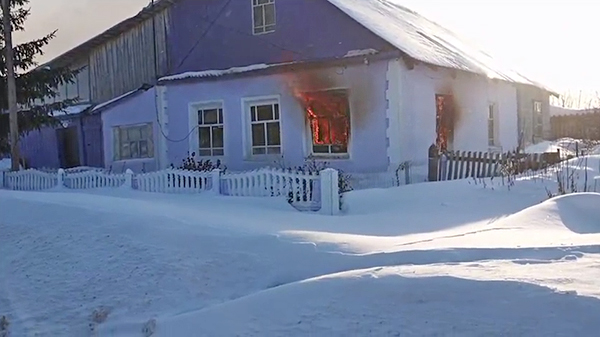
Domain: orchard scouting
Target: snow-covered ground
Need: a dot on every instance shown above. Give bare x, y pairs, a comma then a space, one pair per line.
566, 146
459, 258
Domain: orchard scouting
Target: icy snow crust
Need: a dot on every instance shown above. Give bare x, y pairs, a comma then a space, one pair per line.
451, 258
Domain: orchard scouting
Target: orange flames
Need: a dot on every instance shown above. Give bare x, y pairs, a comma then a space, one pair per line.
326, 110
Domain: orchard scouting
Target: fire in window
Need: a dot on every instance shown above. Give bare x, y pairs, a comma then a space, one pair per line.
328, 113
444, 121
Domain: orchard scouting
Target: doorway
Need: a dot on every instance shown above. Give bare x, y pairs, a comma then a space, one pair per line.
68, 140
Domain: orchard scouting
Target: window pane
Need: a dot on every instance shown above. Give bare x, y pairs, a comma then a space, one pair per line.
145, 130
200, 117
259, 30
125, 153
321, 148
276, 108
274, 150
269, 14
264, 112
211, 116
221, 116
135, 150
339, 148
270, 28
273, 137
253, 113
143, 149
218, 152
258, 150
204, 137
134, 133
204, 153
258, 16
217, 136
123, 134
258, 134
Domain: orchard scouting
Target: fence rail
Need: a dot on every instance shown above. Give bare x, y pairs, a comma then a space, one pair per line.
303, 190
453, 165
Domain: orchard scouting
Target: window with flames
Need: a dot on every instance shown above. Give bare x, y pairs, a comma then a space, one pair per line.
328, 113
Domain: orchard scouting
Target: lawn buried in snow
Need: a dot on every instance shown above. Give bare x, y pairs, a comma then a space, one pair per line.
465, 258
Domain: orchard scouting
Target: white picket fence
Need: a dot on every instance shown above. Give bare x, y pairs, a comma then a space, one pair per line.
304, 190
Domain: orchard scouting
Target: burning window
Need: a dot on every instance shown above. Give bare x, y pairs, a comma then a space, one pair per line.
329, 115
444, 121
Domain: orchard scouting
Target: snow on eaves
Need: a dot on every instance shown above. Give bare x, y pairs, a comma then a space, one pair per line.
216, 73
71, 110
425, 40
250, 68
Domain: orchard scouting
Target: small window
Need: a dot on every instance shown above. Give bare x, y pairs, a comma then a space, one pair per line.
329, 115
538, 119
263, 16
133, 142
210, 132
492, 141
265, 128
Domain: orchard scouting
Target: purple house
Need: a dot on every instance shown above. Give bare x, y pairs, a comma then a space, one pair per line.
365, 85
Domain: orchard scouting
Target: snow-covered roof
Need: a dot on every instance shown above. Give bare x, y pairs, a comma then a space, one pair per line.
121, 97
217, 73
71, 110
426, 41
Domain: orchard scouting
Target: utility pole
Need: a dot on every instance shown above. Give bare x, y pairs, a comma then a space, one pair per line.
11, 86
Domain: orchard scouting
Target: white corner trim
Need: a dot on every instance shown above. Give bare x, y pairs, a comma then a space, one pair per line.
246, 122
163, 127
393, 98
194, 135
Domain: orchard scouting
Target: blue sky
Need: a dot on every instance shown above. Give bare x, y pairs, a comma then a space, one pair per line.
552, 40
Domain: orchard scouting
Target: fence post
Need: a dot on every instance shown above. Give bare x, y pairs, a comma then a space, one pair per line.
330, 192
216, 181
128, 179
433, 163
61, 179
2, 179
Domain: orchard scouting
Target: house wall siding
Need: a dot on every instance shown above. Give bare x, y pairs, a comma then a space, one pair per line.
472, 94
138, 109
366, 86
127, 61
525, 97
217, 34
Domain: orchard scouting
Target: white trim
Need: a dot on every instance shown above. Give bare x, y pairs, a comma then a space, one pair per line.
193, 140
246, 102
393, 131
162, 145
264, 25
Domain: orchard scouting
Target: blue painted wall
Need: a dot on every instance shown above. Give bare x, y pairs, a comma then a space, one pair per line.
366, 85
41, 148
136, 109
305, 30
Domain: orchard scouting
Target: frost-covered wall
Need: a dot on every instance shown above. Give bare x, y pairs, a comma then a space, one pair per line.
413, 111
366, 88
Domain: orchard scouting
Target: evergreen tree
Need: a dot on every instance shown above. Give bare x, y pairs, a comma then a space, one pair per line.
37, 86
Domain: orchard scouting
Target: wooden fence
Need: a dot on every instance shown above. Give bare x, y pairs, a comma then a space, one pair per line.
453, 165
578, 126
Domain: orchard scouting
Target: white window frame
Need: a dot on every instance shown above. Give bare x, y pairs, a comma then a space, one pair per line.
117, 154
309, 149
538, 113
264, 28
194, 126
492, 116
247, 104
